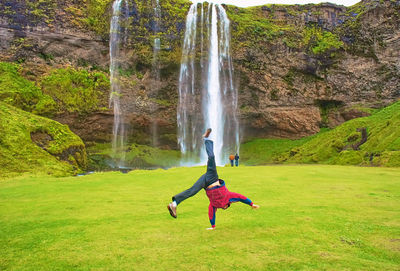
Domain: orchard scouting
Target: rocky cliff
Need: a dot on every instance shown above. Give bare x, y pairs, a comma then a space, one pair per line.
297, 68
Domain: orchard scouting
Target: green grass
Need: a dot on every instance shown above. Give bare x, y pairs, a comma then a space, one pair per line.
311, 218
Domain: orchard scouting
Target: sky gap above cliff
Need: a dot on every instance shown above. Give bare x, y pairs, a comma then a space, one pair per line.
249, 3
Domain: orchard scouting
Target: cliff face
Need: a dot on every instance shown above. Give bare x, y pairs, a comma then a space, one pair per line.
297, 68
292, 85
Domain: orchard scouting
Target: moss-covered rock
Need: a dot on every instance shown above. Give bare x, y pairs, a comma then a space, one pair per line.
37, 145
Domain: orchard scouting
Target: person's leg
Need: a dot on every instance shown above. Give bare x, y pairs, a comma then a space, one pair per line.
211, 174
204, 181
231, 163
237, 162
197, 186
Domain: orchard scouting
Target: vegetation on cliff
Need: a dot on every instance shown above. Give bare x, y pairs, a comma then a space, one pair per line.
37, 145
61, 90
373, 140
319, 41
76, 90
22, 93
254, 27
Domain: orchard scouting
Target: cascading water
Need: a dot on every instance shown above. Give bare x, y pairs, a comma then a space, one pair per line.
118, 140
188, 115
207, 96
213, 106
156, 66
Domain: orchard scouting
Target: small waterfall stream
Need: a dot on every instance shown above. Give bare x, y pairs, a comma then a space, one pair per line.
116, 36
207, 96
156, 67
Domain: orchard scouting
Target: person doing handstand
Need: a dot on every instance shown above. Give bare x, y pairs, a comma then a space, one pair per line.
215, 188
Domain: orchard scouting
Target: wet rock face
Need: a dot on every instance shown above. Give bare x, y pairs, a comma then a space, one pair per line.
282, 122
279, 86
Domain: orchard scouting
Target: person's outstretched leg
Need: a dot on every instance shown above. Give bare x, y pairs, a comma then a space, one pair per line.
196, 187
204, 181
211, 174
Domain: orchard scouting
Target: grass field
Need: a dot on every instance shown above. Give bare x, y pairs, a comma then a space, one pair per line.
311, 218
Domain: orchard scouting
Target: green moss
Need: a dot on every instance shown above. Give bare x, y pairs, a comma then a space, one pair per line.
319, 41
97, 15
250, 26
62, 90
349, 157
22, 93
19, 154
387, 158
76, 90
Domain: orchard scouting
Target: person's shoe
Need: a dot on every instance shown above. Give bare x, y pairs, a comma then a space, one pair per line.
207, 133
172, 210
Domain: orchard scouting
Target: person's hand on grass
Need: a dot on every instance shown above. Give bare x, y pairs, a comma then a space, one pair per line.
255, 206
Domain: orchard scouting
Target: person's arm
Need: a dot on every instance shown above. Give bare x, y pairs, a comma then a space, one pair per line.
235, 197
211, 215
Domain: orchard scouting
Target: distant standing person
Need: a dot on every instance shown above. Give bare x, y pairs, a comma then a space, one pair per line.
231, 158
237, 159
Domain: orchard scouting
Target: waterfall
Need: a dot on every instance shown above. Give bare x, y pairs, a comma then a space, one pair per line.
156, 68
118, 140
213, 106
207, 96
187, 111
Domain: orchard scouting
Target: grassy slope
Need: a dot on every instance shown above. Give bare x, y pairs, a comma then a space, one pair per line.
383, 142
328, 147
18, 154
267, 151
311, 218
